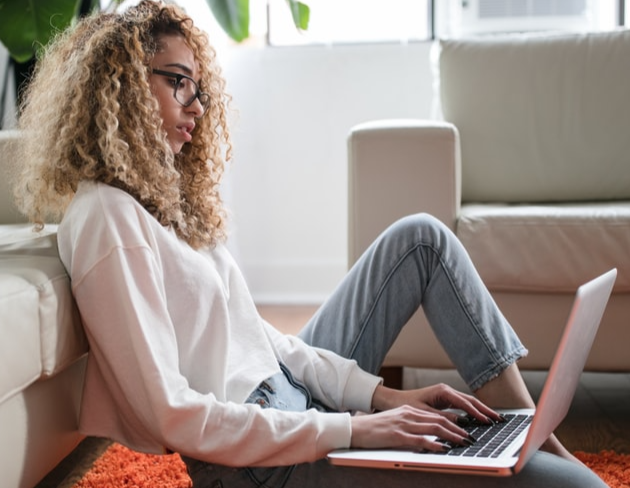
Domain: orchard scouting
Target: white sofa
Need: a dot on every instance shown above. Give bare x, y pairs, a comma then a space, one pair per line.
530, 166
43, 348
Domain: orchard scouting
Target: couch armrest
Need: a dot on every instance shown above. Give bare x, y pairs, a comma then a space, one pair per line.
397, 168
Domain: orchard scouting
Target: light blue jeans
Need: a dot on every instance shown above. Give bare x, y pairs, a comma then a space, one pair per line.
416, 262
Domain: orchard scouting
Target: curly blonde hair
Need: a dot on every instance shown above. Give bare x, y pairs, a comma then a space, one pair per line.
89, 114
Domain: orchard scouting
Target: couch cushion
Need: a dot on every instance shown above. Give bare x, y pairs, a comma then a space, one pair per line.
20, 344
547, 248
38, 312
540, 117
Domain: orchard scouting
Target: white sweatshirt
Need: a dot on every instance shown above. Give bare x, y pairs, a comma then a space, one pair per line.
177, 345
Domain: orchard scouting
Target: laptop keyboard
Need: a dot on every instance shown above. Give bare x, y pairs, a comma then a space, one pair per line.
492, 440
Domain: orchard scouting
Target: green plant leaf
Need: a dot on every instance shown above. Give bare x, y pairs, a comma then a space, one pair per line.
232, 16
301, 14
94, 6
27, 25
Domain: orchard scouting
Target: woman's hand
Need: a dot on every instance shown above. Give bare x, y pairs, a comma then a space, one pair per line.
434, 399
415, 419
407, 427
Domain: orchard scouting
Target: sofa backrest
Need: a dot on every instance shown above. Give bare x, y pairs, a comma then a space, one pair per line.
9, 214
540, 117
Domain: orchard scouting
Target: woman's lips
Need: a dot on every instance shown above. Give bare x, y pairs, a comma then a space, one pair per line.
185, 131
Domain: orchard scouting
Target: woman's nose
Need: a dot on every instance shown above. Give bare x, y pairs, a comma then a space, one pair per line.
197, 107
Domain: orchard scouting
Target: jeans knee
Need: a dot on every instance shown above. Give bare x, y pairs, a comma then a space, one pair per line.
420, 227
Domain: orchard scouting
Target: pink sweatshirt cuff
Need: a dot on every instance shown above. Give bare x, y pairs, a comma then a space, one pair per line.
360, 390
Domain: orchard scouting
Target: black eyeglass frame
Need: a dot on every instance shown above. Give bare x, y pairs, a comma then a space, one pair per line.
204, 98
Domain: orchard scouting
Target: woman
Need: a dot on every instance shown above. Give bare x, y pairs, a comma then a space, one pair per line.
127, 137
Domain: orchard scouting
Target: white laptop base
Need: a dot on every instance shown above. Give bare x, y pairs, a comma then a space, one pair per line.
503, 465
553, 405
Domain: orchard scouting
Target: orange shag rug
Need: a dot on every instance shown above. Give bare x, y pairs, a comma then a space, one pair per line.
120, 467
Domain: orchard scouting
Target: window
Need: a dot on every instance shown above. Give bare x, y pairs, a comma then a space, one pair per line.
358, 21
471, 17
351, 21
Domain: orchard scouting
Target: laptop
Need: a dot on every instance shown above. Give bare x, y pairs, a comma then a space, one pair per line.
525, 430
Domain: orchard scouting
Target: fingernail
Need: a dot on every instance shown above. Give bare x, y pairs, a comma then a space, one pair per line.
446, 447
463, 420
467, 442
503, 417
472, 438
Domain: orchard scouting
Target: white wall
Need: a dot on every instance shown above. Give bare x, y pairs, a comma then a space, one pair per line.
287, 189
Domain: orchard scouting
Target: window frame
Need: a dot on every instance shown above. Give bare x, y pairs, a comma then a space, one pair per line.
622, 7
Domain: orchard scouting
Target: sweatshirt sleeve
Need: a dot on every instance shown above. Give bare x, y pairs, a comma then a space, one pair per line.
134, 363
336, 381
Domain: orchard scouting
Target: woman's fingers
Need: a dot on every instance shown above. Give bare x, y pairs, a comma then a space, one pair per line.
407, 427
476, 409
443, 396
422, 420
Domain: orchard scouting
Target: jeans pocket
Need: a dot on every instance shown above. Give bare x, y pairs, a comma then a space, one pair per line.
261, 396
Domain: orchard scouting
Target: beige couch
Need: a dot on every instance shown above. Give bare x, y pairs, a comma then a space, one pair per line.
42, 351
530, 166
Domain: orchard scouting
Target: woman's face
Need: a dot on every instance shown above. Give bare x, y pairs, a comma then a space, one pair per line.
176, 58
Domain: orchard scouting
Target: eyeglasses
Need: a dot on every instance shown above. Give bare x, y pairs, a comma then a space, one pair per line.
186, 89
